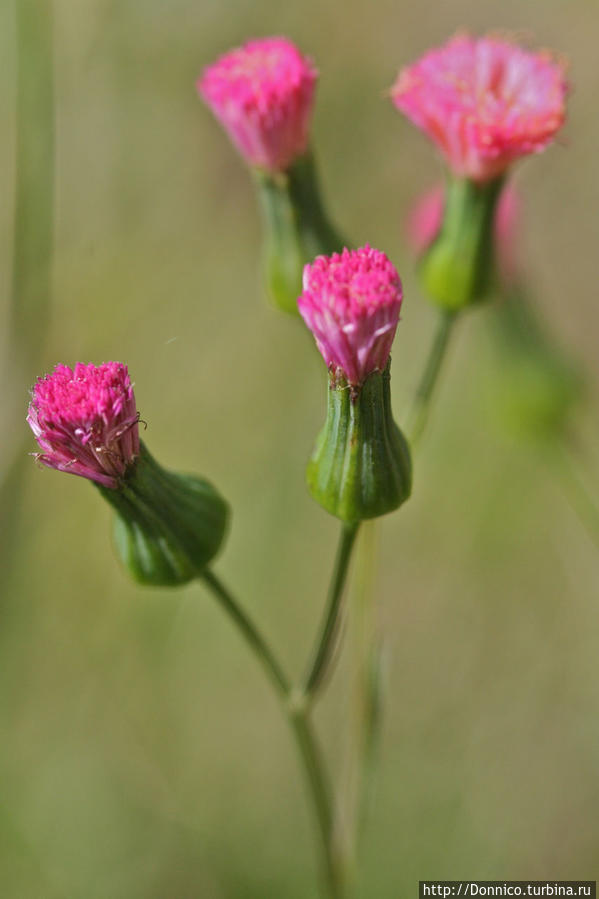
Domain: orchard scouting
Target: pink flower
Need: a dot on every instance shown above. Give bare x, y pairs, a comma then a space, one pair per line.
85, 421
351, 302
262, 94
485, 102
426, 217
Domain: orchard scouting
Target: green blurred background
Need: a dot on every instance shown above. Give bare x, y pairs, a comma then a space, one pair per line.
142, 753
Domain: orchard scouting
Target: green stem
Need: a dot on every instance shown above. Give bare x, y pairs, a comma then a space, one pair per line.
368, 699
418, 414
313, 764
250, 632
365, 725
326, 641
34, 198
297, 714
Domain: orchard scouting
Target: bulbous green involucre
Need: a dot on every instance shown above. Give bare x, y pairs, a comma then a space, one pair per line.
296, 229
457, 269
168, 526
361, 465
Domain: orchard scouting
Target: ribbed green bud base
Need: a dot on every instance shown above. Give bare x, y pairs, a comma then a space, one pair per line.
457, 270
296, 229
168, 526
361, 465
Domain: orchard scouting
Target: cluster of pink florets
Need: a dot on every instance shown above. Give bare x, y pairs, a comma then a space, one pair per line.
351, 302
484, 102
85, 421
262, 93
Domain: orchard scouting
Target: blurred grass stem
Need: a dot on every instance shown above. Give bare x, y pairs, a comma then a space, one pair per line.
34, 195
31, 276
568, 467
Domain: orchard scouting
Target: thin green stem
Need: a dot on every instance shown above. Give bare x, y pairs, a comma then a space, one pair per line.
418, 414
250, 633
297, 713
326, 640
368, 699
365, 652
314, 769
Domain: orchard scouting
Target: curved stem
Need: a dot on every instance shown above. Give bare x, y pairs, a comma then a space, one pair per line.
250, 632
326, 641
296, 712
418, 413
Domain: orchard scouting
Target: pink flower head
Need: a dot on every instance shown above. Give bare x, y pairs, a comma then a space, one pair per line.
85, 421
351, 302
426, 217
485, 102
262, 94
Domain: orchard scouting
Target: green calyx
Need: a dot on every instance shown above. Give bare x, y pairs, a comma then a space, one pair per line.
458, 268
168, 526
296, 229
361, 465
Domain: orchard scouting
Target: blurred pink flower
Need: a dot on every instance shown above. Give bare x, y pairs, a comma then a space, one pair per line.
351, 302
85, 421
426, 217
484, 102
262, 93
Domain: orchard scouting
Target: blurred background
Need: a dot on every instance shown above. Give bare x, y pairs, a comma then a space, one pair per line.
142, 753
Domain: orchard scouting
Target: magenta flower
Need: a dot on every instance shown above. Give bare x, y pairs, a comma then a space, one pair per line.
426, 217
262, 94
85, 421
351, 302
484, 102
